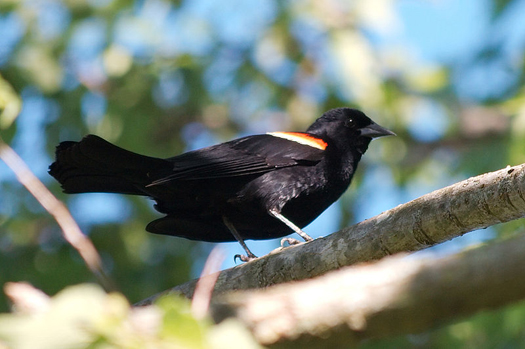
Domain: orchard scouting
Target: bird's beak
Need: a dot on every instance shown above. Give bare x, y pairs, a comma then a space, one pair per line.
375, 131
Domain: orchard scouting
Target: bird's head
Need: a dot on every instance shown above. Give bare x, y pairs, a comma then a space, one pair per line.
346, 126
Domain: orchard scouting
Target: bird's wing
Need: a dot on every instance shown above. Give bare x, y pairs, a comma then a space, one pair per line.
246, 156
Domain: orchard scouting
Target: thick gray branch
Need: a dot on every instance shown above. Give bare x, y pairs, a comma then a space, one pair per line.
477, 202
396, 295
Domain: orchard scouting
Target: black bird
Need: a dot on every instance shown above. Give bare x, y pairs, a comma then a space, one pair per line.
256, 187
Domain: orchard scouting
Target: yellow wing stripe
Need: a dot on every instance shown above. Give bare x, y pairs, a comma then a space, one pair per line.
301, 138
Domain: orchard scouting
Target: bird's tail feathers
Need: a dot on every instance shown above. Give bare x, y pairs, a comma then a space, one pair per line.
95, 165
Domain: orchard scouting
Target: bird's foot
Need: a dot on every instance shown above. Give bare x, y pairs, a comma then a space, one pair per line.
290, 241
244, 258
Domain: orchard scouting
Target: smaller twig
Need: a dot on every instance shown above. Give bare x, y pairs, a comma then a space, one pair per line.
58, 210
204, 288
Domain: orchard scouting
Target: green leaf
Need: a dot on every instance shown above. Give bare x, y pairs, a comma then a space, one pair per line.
180, 325
10, 104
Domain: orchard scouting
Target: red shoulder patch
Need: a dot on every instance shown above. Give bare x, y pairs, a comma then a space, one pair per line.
302, 138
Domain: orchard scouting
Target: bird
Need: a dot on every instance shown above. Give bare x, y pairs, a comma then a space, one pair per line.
256, 187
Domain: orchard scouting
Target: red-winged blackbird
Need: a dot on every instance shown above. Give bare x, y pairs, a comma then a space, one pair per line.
256, 187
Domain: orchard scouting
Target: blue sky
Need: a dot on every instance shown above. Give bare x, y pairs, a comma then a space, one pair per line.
441, 31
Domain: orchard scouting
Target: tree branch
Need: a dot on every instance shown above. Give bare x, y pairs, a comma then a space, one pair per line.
396, 295
70, 229
475, 203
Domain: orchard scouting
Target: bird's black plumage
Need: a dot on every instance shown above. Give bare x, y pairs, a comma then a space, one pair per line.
245, 183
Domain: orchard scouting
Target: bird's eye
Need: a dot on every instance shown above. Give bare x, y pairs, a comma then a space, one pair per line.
350, 123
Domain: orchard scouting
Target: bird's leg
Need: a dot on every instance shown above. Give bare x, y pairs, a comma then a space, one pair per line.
292, 226
250, 256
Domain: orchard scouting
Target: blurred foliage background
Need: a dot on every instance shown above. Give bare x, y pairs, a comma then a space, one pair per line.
161, 77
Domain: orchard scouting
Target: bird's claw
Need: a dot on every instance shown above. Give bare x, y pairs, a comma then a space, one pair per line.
290, 241
244, 258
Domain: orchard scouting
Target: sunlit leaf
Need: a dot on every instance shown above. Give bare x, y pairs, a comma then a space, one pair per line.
10, 104
428, 80
179, 324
